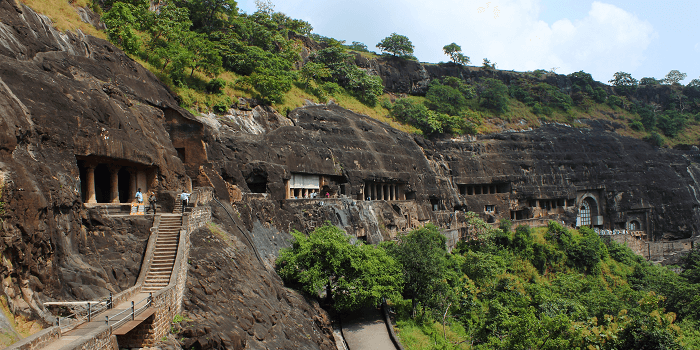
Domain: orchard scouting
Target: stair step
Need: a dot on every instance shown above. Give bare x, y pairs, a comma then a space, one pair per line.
163, 281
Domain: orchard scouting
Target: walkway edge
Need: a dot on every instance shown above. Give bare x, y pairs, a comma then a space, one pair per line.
390, 327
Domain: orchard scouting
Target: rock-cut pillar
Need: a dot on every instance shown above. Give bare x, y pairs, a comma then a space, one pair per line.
90, 174
114, 182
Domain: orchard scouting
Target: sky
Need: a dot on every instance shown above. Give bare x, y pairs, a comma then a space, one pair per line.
641, 37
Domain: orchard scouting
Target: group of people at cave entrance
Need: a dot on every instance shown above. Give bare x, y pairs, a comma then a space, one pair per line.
152, 199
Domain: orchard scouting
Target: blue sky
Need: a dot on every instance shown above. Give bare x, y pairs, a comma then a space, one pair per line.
644, 38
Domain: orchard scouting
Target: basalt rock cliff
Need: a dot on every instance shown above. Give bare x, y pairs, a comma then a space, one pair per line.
73, 105
68, 101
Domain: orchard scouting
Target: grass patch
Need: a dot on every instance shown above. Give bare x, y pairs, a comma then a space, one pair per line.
64, 15
19, 323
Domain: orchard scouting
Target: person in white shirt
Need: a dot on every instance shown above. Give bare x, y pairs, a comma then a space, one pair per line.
139, 196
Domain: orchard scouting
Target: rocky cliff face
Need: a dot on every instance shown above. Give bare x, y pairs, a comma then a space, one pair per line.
71, 105
64, 96
531, 177
233, 302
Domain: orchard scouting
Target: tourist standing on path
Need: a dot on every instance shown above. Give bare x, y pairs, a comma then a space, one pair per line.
152, 202
139, 196
184, 197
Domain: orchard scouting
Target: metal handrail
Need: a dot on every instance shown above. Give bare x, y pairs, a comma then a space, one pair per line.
93, 309
133, 312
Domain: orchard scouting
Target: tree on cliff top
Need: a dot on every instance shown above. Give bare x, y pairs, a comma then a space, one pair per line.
623, 79
354, 275
674, 77
455, 52
397, 45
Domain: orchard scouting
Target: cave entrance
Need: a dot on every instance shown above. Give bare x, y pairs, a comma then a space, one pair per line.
181, 154
588, 212
635, 226
257, 184
124, 177
103, 188
110, 180
303, 186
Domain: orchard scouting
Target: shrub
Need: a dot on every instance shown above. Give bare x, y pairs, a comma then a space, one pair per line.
445, 99
656, 139
614, 101
637, 125
494, 95
215, 86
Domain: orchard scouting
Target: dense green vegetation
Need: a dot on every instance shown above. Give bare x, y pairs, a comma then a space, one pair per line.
210, 54
351, 274
550, 288
189, 43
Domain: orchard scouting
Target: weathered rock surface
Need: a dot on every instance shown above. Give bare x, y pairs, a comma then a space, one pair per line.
233, 302
63, 96
557, 165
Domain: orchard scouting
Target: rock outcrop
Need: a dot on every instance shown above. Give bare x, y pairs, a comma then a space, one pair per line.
71, 105
535, 175
64, 96
233, 302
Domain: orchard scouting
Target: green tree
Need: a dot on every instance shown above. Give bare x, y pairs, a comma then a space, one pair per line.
695, 83
494, 95
353, 275
209, 15
271, 85
488, 65
422, 254
397, 45
358, 46
314, 71
205, 54
367, 88
120, 21
649, 81
455, 52
445, 99
674, 77
623, 79
167, 25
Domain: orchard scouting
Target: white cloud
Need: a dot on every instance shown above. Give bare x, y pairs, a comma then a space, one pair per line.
605, 40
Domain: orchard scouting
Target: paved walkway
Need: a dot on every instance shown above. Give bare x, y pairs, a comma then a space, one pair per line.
365, 329
98, 321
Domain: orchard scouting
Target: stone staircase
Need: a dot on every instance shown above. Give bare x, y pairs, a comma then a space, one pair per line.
161, 268
177, 209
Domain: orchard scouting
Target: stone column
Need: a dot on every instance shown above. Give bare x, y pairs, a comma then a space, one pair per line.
392, 192
396, 192
90, 174
114, 174
132, 183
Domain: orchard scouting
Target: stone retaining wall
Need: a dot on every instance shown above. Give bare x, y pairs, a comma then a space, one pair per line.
665, 253
104, 340
37, 340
